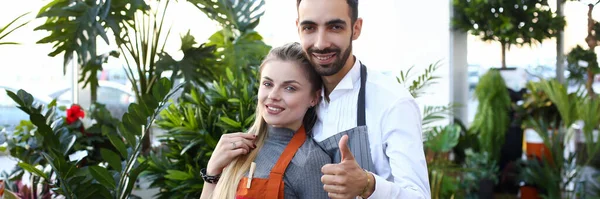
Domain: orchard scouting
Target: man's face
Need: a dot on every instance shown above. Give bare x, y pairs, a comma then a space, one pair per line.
326, 33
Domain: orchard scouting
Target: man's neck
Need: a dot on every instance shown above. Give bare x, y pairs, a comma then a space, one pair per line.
330, 82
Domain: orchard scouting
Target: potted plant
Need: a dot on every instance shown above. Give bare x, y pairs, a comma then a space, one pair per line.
479, 175
553, 174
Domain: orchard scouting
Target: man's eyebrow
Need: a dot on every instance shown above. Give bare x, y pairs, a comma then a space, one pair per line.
330, 22
308, 22
336, 21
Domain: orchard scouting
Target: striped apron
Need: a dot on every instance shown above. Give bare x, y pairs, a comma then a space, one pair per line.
358, 138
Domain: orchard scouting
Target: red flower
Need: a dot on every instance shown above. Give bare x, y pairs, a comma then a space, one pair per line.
74, 113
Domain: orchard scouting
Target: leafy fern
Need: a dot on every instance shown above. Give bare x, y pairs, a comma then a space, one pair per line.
492, 117
424, 80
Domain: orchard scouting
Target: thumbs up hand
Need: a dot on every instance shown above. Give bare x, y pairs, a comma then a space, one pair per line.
346, 179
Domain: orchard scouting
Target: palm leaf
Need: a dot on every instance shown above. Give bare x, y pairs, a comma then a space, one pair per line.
241, 15
141, 44
432, 114
565, 103
417, 86
4, 31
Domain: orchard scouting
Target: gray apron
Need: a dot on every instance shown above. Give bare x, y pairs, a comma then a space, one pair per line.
358, 138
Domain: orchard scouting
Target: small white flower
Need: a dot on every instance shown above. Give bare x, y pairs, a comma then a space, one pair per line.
87, 122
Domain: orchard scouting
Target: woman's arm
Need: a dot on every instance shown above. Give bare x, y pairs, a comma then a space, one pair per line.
207, 190
230, 146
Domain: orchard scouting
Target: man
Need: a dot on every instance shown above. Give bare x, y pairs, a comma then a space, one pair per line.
366, 120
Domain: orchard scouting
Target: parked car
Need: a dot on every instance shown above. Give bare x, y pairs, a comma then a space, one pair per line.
10, 114
473, 76
116, 97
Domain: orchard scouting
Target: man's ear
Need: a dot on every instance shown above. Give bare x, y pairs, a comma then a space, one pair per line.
316, 99
357, 28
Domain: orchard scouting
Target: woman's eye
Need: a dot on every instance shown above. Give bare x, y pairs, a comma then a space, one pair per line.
267, 84
290, 88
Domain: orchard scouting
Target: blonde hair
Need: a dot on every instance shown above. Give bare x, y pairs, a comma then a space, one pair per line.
232, 174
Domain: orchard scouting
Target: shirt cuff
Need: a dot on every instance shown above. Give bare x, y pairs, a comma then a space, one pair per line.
382, 187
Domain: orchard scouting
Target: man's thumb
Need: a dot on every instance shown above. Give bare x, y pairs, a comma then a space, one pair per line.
344, 150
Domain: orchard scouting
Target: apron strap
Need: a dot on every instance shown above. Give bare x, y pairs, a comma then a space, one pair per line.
361, 117
276, 175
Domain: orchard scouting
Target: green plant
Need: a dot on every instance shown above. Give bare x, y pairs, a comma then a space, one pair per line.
509, 22
554, 174
439, 142
220, 99
5, 31
198, 65
141, 39
550, 175
112, 178
579, 60
240, 47
416, 86
492, 116
237, 15
537, 105
75, 26
582, 63
194, 126
442, 139
477, 168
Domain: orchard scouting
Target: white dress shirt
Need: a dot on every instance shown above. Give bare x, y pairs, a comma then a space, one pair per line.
394, 127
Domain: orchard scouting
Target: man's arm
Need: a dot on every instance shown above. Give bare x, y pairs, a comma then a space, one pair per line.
403, 145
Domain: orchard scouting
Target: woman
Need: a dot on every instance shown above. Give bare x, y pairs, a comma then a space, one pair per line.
275, 158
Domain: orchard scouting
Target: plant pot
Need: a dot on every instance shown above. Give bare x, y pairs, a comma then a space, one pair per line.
535, 147
529, 192
486, 188
1, 188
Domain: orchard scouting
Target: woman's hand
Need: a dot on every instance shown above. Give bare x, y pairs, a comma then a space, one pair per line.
229, 147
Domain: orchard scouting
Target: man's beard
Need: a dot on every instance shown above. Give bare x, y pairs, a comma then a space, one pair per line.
333, 68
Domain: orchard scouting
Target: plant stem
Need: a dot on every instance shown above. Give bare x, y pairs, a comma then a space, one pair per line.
592, 43
503, 44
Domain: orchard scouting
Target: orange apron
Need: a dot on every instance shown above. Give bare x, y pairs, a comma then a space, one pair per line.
273, 186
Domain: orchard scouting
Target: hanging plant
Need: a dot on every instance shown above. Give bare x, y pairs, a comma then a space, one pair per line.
579, 60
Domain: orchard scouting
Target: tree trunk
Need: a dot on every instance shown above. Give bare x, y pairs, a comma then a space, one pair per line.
592, 43
503, 44
93, 94
560, 44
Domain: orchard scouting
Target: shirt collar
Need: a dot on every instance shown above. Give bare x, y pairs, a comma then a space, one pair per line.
348, 82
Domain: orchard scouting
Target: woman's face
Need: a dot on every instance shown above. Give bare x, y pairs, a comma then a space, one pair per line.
285, 94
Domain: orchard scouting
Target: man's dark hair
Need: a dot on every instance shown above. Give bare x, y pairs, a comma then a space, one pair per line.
353, 4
